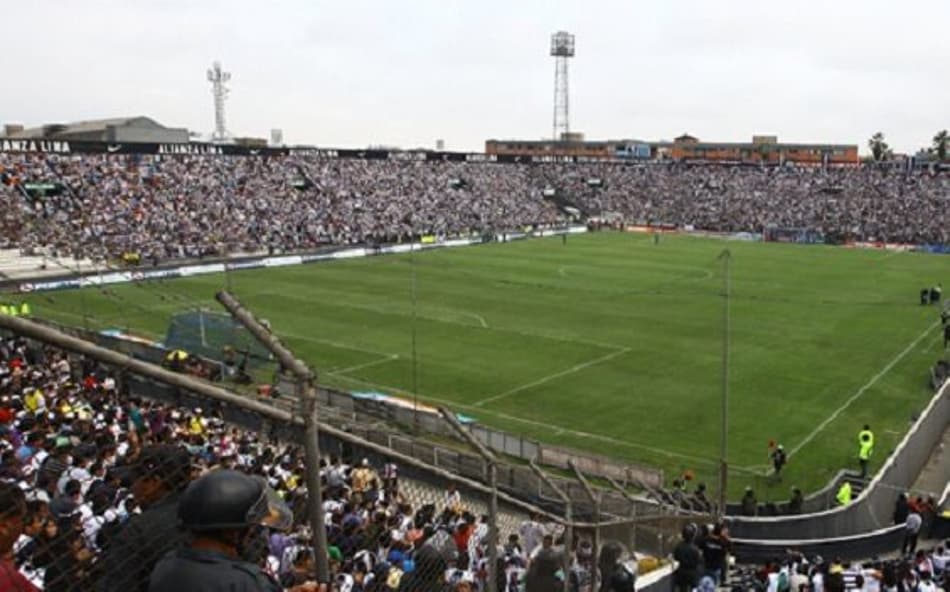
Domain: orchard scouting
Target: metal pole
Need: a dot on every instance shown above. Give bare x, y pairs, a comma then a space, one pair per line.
82, 292
415, 365
489, 457
308, 400
633, 507
595, 544
568, 514
726, 257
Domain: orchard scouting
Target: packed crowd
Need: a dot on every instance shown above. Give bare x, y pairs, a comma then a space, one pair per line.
91, 479
846, 203
160, 207
923, 571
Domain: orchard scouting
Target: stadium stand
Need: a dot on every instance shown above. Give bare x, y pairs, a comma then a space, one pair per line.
101, 472
144, 208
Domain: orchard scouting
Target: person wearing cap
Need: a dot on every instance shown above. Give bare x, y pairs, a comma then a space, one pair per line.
159, 475
223, 511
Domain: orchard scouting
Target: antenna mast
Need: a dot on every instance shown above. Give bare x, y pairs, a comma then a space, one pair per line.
218, 78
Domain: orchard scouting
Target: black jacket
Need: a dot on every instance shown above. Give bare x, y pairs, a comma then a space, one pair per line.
208, 571
690, 564
139, 545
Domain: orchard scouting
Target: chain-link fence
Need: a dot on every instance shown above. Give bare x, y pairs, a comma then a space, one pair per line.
103, 453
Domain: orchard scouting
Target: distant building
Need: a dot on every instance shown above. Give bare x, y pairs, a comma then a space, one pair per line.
573, 147
251, 142
115, 130
762, 149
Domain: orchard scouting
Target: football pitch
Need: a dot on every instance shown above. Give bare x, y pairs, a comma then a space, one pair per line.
608, 343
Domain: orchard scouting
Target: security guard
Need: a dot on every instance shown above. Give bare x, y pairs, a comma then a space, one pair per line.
25, 309
223, 511
865, 448
4, 309
844, 494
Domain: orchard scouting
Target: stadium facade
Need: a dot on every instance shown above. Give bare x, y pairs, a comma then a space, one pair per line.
761, 150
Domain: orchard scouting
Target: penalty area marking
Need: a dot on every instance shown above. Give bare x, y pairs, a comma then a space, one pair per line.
550, 377
369, 364
863, 389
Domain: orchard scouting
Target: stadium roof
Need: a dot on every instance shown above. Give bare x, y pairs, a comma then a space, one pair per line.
92, 125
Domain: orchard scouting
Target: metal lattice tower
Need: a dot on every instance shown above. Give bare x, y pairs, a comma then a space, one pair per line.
562, 48
218, 78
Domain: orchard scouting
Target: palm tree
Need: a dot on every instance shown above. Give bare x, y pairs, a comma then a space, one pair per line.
879, 148
941, 141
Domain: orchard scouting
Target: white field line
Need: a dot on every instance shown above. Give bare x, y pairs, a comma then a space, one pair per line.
550, 377
335, 344
369, 364
479, 317
818, 429
388, 310
382, 310
540, 424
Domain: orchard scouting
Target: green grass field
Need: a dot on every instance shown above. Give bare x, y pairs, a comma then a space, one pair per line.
609, 343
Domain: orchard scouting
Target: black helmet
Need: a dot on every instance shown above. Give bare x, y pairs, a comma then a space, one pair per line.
225, 499
689, 532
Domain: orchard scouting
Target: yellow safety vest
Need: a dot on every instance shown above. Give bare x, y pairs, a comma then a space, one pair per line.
844, 494
13, 311
25, 309
4, 310
866, 444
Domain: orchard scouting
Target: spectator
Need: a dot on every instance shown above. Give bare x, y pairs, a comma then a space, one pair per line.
688, 562
160, 473
911, 532
750, 505
543, 569
12, 518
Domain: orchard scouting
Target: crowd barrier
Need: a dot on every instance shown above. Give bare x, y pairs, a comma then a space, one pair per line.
873, 508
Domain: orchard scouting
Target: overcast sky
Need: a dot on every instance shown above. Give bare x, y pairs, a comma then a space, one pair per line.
357, 72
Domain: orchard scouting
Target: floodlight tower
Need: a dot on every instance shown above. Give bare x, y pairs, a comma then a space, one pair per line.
218, 78
562, 48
